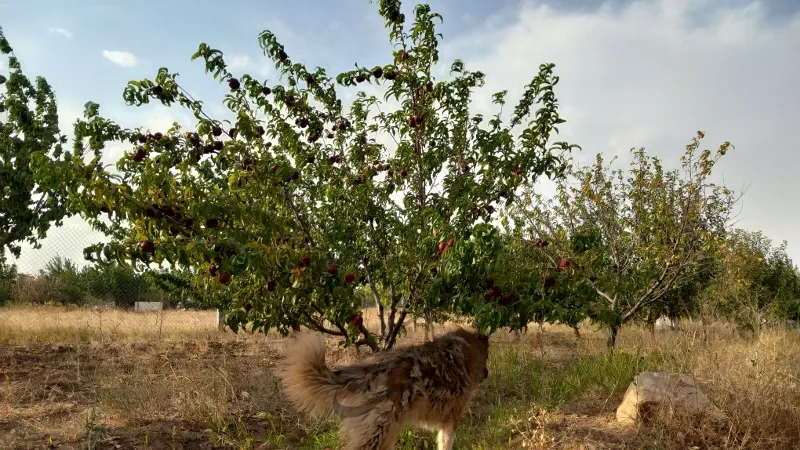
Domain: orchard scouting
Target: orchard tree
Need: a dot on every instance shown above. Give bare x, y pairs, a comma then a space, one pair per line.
297, 200
35, 172
635, 236
757, 281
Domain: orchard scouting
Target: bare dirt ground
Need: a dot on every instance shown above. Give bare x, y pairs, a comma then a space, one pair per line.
131, 387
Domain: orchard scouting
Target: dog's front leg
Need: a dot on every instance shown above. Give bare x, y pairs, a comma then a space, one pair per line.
445, 438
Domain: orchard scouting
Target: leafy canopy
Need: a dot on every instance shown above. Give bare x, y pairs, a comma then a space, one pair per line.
634, 237
295, 200
35, 172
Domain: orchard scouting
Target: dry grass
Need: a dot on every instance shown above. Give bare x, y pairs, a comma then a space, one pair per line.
115, 379
52, 324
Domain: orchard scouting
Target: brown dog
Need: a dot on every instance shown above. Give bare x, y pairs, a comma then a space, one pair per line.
428, 385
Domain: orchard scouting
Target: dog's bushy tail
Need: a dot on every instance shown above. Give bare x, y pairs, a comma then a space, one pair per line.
309, 384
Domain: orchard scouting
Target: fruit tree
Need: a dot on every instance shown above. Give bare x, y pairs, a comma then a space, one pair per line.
633, 236
297, 200
35, 172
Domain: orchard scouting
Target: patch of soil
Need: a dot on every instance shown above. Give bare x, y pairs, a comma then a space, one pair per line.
47, 391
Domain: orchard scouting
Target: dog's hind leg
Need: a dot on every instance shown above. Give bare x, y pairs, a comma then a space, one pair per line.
373, 433
445, 438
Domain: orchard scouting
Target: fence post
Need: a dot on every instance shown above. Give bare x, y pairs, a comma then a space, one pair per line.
220, 321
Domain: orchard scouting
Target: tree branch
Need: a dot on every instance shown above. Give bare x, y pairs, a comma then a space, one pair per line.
299, 217
396, 329
319, 327
393, 307
604, 295
376, 294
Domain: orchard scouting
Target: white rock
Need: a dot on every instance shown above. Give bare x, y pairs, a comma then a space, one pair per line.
663, 389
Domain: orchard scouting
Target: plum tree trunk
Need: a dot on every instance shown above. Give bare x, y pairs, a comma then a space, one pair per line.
429, 328
612, 337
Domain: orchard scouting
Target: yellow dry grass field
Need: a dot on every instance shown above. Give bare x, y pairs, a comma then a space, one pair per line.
110, 379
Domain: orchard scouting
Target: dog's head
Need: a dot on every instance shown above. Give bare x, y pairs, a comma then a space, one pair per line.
477, 353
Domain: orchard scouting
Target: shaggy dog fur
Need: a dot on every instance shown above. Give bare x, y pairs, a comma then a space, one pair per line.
428, 385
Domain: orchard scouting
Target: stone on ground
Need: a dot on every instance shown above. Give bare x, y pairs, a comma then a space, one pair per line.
657, 389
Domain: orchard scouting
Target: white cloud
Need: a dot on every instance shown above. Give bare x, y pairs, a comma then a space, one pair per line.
653, 73
243, 63
124, 59
62, 31
238, 62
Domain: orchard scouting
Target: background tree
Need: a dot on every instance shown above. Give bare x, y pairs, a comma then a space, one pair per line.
758, 282
8, 276
635, 235
296, 201
35, 172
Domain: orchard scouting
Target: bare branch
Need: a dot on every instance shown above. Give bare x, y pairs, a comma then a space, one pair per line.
299, 217
376, 294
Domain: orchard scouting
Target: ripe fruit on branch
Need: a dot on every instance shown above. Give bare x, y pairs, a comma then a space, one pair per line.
403, 173
333, 269
451, 242
232, 133
412, 121
563, 264
488, 295
147, 246
212, 270
310, 79
225, 278
517, 172
377, 71
282, 56
142, 139
305, 260
496, 290
504, 299
360, 78
266, 91
289, 100
139, 155
391, 75
489, 281
442, 246
193, 138
158, 136
349, 277
233, 83
357, 320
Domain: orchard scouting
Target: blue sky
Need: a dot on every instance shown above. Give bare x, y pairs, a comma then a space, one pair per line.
633, 73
